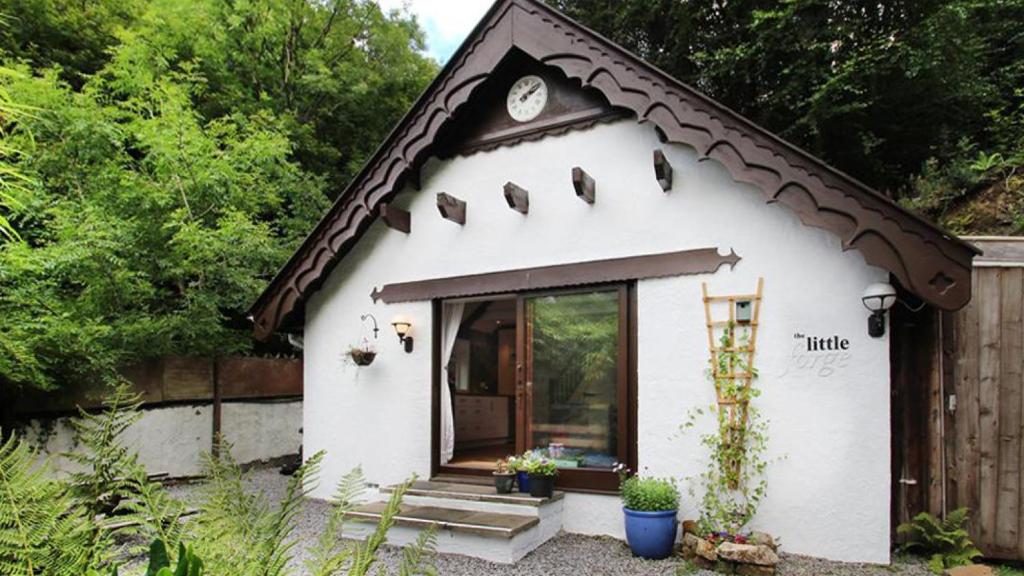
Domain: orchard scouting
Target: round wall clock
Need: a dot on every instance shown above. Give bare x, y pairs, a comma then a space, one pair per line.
526, 98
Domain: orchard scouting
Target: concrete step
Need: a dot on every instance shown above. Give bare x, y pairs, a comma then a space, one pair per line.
469, 519
486, 524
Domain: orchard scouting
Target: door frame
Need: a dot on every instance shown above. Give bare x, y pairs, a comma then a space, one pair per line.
576, 480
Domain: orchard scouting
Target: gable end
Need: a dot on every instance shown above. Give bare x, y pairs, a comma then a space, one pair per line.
923, 258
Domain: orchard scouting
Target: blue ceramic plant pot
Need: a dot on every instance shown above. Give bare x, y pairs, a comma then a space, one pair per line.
523, 479
651, 534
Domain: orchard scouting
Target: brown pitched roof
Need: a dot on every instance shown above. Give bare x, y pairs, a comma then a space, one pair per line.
925, 259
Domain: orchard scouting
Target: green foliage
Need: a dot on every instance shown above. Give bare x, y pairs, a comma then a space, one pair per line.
945, 542
110, 485
649, 494
180, 150
733, 483
12, 181
99, 485
874, 87
41, 531
188, 563
240, 532
48, 528
539, 466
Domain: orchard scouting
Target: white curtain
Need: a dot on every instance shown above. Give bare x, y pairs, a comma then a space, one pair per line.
451, 318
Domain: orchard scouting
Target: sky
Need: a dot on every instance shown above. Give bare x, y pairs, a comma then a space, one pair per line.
446, 22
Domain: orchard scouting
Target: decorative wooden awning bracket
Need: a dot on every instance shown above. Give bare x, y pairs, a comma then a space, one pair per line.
662, 170
686, 262
396, 218
451, 208
517, 198
583, 183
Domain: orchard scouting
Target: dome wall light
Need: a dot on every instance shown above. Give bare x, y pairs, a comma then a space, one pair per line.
878, 298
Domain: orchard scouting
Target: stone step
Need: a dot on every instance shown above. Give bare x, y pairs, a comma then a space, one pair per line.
485, 524
452, 494
470, 519
482, 480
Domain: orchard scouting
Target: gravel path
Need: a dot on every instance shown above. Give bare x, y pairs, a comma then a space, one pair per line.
566, 554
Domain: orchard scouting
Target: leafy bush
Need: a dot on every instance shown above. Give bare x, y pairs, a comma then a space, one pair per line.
945, 542
649, 494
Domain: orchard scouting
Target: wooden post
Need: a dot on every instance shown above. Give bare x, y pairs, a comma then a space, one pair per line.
215, 447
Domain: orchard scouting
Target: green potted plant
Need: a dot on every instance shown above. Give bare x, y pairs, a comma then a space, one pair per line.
650, 506
541, 472
517, 466
504, 477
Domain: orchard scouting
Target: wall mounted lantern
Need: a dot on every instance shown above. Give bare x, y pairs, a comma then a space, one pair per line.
402, 328
878, 298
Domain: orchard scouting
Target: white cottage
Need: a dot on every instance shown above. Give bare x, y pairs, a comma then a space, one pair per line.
541, 227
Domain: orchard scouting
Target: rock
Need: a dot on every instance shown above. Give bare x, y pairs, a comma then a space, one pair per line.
973, 570
706, 550
764, 539
755, 570
748, 554
689, 526
702, 563
689, 549
725, 567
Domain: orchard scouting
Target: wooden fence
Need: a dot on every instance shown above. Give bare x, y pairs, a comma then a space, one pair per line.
174, 379
958, 405
984, 410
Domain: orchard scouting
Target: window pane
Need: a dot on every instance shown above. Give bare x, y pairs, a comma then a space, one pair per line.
574, 342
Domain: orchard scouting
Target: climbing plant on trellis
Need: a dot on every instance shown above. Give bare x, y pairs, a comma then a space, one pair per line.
732, 341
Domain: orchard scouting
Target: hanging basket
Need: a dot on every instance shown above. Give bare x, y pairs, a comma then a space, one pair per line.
362, 356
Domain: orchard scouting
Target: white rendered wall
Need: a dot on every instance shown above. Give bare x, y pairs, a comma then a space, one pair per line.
173, 439
828, 493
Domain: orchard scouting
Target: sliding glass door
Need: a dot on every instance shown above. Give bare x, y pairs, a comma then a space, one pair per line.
575, 381
562, 363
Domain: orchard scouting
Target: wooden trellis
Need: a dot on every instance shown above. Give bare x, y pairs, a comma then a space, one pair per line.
732, 362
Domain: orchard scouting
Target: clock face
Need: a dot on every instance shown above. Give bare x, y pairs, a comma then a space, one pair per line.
526, 98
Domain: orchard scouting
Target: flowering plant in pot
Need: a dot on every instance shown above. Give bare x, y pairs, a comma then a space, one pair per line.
650, 506
517, 466
504, 478
541, 471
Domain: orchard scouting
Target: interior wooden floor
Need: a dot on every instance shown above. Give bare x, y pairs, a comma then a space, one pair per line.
483, 457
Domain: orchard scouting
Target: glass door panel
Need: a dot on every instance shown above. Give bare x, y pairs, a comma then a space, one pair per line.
575, 376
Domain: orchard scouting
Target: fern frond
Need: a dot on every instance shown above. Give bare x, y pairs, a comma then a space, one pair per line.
149, 512
328, 556
415, 557
364, 554
103, 459
41, 532
239, 532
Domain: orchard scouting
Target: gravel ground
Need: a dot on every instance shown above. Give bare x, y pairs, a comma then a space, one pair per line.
566, 554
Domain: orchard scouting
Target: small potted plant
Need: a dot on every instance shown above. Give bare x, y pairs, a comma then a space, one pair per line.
650, 506
541, 472
517, 466
504, 478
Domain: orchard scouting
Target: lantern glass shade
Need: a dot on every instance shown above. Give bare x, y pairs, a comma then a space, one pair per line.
401, 328
879, 297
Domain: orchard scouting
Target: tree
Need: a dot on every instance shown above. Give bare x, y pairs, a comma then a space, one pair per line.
150, 229
338, 74
874, 87
180, 150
